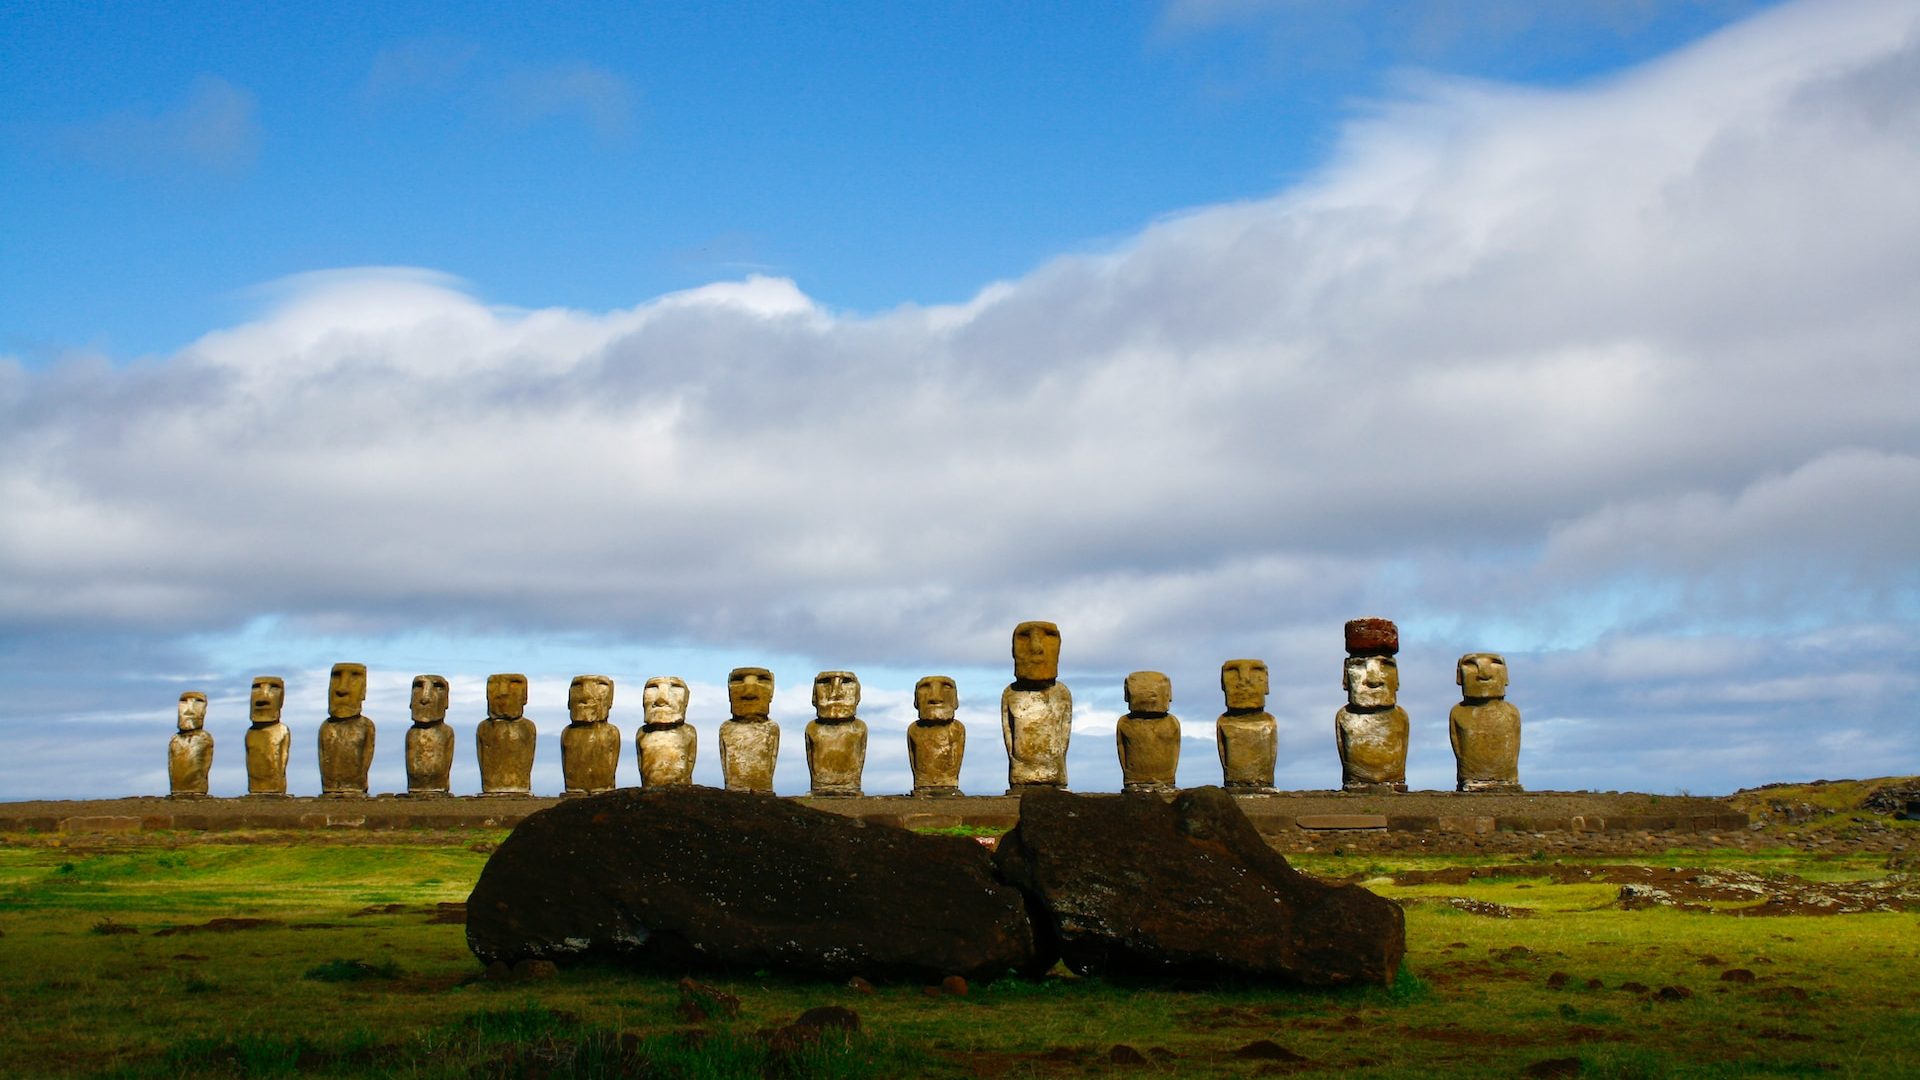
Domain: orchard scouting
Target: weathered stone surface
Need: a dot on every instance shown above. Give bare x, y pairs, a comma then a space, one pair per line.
678, 879
590, 744
936, 742
506, 739
1036, 711
430, 740
837, 737
1371, 731
1187, 888
749, 739
346, 737
190, 751
1148, 736
268, 740
1372, 637
1484, 728
666, 745
1246, 735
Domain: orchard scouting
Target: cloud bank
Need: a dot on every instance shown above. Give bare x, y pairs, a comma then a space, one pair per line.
1622, 381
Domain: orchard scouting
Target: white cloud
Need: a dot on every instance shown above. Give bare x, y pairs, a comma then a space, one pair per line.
1538, 372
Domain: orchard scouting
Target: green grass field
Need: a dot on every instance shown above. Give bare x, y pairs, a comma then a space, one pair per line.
354, 970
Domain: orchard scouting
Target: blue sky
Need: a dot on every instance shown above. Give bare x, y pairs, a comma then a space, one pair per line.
661, 340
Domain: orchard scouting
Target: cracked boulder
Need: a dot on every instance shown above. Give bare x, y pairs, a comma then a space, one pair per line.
1136, 886
684, 879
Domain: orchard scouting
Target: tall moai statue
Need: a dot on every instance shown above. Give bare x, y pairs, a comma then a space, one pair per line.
749, 739
1484, 728
936, 741
1036, 710
1148, 736
268, 740
836, 737
589, 744
346, 737
1246, 735
430, 740
505, 739
665, 744
1372, 729
190, 751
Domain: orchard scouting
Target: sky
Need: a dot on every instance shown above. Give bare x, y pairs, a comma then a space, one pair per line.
664, 339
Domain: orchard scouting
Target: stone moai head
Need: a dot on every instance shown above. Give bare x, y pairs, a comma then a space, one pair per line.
665, 700
750, 693
836, 695
936, 697
191, 713
1482, 675
268, 694
1149, 693
590, 699
1244, 682
430, 693
506, 696
346, 691
1371, 682
1036, 652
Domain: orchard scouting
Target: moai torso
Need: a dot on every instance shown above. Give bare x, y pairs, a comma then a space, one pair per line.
590, 745
936, 742
190, 751
1484, 728
1148, 736
836, 737
1371, 731
346, 737
750, 740
1036, 710
1246, 735
505, 739
429, 740
666, 744
268, 740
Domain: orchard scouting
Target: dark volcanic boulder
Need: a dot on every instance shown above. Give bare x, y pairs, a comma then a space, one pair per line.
692, 878
1134, 886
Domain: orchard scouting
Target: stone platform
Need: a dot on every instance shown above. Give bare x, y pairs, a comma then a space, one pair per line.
1294, 813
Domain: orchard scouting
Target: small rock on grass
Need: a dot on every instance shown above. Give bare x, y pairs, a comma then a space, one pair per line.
1632, 987
1554, 1067
1558, 980
1673, 993
531, 970
1266, 1050
701, 1002
1122, 1054
955, 985
859, 985
1736, 975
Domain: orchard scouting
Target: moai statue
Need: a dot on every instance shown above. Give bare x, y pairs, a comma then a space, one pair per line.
1148, 736
666, 744
749, 740
1246, 735
936, 742
1372, 729
430, 740
346, 737
589, 744
1484, 727
268, 740
836, 737
1036, 710
190, 751
506, 738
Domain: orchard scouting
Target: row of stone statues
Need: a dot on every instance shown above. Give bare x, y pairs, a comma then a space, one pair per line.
1036, 723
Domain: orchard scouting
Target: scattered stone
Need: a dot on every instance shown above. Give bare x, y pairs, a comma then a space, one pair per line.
452, 914
1108, 882
499, 971
699, 1002
955, 985
859, 985
220, 926
1673, 993
1595, 984
1558, 980
696, 878
1786, 992
1736, 975
1710, 960
1634, 987
1266, 1050
110, 928
1122, 1054
529, 969
1554, 1067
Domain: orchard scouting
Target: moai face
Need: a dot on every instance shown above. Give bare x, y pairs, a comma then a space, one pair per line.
1482, 675
1371, 682
1244, 682
346, 691
263, 704
1036, 652
506, 696
430, 693
590, 699
836, 695
665, 700
191, 713
1149, 693
935, 698
750, 692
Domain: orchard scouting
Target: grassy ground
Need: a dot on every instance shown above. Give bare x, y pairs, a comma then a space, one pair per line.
349, 973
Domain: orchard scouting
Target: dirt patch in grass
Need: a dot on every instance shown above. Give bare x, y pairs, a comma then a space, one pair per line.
1687, 889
